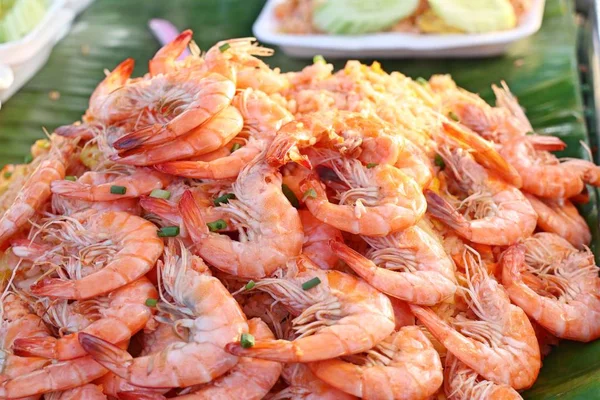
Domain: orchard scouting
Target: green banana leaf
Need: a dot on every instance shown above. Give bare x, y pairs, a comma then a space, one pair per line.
541, 70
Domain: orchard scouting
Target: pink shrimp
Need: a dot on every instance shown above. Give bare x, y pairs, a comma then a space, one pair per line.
316, 240
113, 81
304, 385
165, 59
87, 392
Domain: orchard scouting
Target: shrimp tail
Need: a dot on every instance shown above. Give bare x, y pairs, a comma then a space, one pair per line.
82, 131
107, 354
140, 395
512, 260
71, 189
274, 350
135, 139
442, 210
181, 168
55, 288
171, 50
161, 207
118, 76
192, 217
546, 143
35, 346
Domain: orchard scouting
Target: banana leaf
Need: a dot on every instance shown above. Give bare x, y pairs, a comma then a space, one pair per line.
542, 71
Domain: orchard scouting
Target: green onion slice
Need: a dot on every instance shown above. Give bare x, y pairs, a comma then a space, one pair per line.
312, 193
70, 178
217, 225
247, 340
115, 189
311, 283
372, 165
151, 302
160, 194
168, 231
236, 146
422, 81
250, 285
318, 59
224, 47
439, 161
223, 199
453, 116
289, 194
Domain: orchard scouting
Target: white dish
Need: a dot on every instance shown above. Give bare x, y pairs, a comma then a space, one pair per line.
395, 44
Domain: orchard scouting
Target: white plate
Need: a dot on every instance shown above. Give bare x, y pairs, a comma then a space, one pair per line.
395, 44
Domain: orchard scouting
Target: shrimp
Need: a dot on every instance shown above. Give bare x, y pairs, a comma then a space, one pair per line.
210, 136
556, 285
97, 186
262, 116
87, 392
129, 242
249, 379
403, 366
462, 383
410, 265
494, 338
119, 316
329, 317
304, 385
543, 174
316, 240
116, 79
36, 189
270, 228
562, 219
491, 211
202, 305
378, 201
165, 59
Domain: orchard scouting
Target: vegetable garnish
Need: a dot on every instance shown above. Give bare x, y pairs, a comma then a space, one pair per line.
318, 58
217, 225
7, 175
289, 194
224, 47
114, 189
422, 80
311, 283
160, 194
223, 199
310, 193
151, 302
247, 340
235, 147
168, 231
70, 178
453, 116
372, 165
439, 161
250, 285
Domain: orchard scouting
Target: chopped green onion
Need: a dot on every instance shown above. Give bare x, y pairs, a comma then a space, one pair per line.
439, 161
236, 146
247, 340
289, 194
318, 58
223, 199
422, 81
168, 231
372, 165
311, 284
530, 133
453, 116
7, 175
160, 194
28, 158
70, 178
250, 285
310, 193
151, 302
224, 47
114, 189
217, 225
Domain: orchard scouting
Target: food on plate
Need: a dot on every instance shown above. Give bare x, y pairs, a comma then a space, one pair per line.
342, 17
220, 229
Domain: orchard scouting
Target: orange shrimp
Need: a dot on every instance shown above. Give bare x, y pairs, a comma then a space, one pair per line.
270, 228
121, 314
210, 136
555, 284
491, 211
87, 392
494, 338
165, 59
329, 317
93, 186
316, 240
405, 365
304, 385
36, 189
130, 244
410, 265
199, 303
116, 79
562, 219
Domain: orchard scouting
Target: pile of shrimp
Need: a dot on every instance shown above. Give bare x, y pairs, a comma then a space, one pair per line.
217, 229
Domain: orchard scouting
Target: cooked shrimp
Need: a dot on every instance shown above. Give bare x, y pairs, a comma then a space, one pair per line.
495, 338
127, 246
556, 285
329, 317
270, 228
87, 392
316, 240
543, 174
116, 79
562, 219
138, 182
490, 212
410, 265
304, 385
118, 317
202, 305
462, 383
377, 201
210, 136
250, 379
36, 189
403, 366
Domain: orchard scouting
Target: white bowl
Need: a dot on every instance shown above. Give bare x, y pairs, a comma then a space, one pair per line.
395, 44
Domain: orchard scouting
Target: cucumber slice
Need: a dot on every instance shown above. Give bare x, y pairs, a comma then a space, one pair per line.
476, 16
21, 18
355, 17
